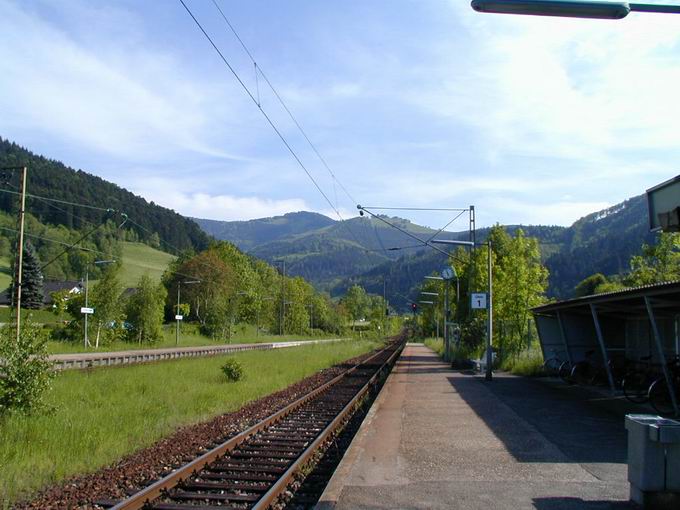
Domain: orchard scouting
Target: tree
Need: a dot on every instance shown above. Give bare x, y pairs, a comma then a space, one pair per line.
658, 263
216, 283
108, 306
25, 372
519, 283
32, 293
588, 286
356, 302
145, 310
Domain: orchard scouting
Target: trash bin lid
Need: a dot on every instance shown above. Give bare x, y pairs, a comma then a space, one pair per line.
665, 431
644, 419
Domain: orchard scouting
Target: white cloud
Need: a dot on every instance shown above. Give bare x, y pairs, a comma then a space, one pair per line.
562, 212
129, 102
560, 87
224, 207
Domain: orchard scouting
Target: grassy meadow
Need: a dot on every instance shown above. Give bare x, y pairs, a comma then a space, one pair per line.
98, 416
140, 259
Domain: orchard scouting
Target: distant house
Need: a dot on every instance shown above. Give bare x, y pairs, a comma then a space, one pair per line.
49, 286
72, 286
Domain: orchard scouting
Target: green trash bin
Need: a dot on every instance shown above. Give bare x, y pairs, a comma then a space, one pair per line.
653, 459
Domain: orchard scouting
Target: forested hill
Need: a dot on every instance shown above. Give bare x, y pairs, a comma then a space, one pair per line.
49, 178
601, 242
321, 250
366, 251
249, 234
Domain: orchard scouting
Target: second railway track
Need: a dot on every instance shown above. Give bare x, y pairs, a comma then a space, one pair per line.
256, 468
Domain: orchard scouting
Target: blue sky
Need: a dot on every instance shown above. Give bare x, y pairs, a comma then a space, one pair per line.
411, 103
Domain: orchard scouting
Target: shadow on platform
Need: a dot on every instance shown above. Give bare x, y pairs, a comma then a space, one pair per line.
582, 430
568, 503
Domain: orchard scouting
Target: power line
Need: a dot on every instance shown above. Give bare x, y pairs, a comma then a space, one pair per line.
59, 201
449, 223
49, 201
268, 119
47, 239
70, 247
283, 103
415, 208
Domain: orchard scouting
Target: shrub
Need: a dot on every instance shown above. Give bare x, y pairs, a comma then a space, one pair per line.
529, 363
233, 370
25, 369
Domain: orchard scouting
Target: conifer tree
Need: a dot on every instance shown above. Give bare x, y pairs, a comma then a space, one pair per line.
32, 291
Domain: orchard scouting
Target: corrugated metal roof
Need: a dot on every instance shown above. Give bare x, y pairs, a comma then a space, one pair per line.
615, 294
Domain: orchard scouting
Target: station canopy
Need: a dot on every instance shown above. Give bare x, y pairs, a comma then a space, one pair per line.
629, 325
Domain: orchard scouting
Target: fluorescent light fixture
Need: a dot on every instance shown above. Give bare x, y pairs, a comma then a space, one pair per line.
596, 10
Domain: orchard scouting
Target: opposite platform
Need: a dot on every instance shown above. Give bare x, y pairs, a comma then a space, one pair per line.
438, 438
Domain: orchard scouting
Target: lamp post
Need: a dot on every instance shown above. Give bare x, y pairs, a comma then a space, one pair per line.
433, 312
447, 275
570, 9
177, 314
489, 303
86, 310
436, 320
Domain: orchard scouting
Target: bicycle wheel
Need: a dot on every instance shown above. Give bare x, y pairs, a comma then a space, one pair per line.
660, 398
565, 371
581, 373
636, 387
551, 366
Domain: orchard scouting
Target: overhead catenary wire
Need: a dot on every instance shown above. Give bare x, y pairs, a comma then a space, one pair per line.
55, 241
258, 68
57, 200
450, 209
268, 119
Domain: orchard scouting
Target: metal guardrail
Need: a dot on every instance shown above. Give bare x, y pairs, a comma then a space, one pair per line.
114, 358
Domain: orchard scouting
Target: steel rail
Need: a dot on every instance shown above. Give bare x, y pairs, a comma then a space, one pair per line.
284, 481
144, 497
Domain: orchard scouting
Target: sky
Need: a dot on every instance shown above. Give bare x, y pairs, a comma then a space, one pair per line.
423, 104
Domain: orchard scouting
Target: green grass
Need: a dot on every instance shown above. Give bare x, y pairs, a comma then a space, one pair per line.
5, 273
528, 363
103, 414
436, 344
189, 337
140, 259
37, 316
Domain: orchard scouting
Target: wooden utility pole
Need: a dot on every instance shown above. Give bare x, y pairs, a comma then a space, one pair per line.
20, 251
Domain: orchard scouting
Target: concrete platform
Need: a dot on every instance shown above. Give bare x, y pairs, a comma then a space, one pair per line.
438, 438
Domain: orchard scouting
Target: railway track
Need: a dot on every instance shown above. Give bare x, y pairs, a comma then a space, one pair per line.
257, 468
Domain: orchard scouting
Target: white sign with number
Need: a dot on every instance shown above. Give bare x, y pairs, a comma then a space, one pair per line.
87, 310
179, 317
479, 301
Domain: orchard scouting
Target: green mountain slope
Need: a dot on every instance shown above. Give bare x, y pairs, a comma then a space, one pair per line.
364, 251
602, 242
49, 178
249, 234
139, 259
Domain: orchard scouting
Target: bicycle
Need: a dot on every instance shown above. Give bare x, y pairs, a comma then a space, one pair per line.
659, 395
636, 382
583, 372
554, 366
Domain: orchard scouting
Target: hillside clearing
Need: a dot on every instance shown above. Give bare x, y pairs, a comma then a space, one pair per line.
140, 259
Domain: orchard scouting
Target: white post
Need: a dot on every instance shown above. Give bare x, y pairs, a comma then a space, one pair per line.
489, 324
20, 251
87, 278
